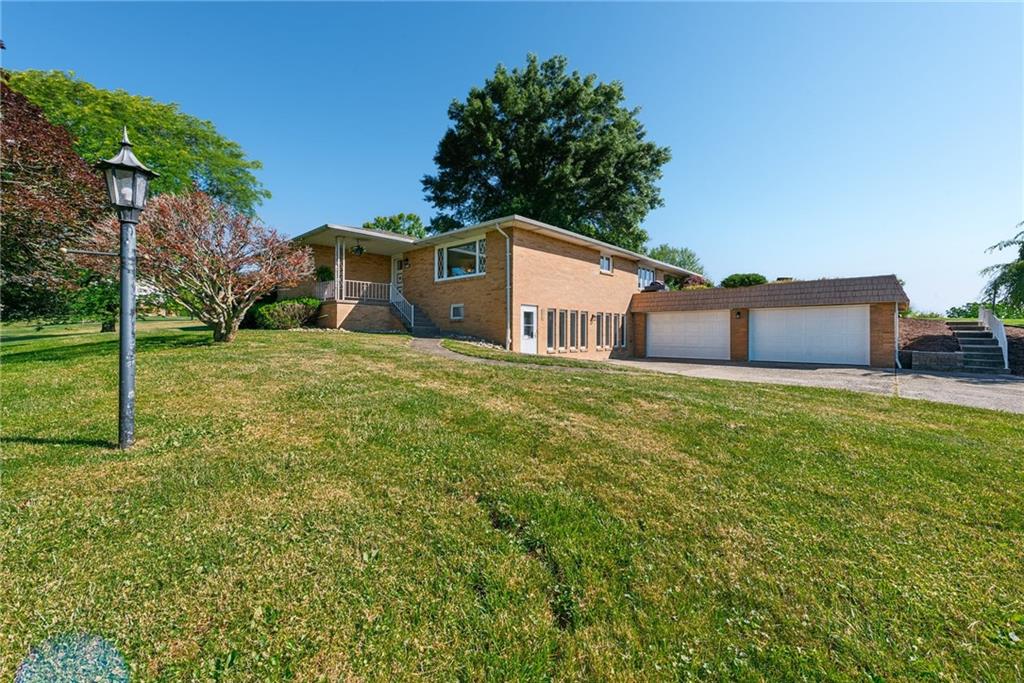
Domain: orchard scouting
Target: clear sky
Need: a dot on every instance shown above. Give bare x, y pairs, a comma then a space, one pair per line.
808, 140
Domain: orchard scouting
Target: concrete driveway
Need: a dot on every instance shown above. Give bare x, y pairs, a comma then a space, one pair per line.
998, 392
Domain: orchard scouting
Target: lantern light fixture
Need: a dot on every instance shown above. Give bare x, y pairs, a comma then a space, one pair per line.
127, 180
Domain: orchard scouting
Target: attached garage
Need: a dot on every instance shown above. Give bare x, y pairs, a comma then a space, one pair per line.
812, 334
689, 334
849, 321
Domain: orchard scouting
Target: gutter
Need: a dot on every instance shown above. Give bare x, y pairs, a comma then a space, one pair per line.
508, 286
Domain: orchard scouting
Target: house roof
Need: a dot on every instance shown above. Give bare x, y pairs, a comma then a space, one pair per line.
376, 241
384, 242
825, 292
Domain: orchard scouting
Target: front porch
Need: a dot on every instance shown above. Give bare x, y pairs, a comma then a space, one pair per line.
355, 266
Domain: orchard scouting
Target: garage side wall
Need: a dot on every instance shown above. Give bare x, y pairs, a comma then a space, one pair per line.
883, 335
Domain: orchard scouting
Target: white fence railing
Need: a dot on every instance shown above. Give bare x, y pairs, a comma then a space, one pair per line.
998, 330
324, 290
358, 290
402, 305
355, 290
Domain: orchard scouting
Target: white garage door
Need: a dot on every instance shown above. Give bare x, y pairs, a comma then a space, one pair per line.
814, 334
688, 334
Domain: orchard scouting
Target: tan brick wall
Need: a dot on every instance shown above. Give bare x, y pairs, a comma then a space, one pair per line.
883, 335
367, 267
355, 316
739, 335
550, 273
483, 297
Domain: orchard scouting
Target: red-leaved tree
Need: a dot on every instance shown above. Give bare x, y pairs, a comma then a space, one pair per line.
210, 258
50, 200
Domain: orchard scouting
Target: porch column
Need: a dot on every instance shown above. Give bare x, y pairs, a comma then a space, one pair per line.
337, 267
343, 250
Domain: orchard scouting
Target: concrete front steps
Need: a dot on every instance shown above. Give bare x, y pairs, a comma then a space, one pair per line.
981, 350
424, 327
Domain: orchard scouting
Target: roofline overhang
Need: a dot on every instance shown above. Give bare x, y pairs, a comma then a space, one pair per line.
513, 220
356, 232
562, 233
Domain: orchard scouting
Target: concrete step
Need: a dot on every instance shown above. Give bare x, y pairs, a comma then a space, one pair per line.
982, 351
985, 370
973, 335
974, 363
983, 357
965, 326
970, 344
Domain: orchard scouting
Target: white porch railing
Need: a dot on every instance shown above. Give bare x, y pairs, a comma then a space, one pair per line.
402, 305
998, 330
355, 290
358, 290
323, 290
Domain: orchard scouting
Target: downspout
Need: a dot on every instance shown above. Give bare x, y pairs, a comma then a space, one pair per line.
508, 287
896, 316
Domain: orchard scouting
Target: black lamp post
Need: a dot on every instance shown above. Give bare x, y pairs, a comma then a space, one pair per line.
128, 183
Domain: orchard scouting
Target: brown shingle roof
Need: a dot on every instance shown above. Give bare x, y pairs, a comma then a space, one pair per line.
834, 292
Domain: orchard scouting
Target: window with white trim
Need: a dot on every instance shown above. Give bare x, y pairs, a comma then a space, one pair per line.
605, 263
615, 323
462, 260
573, 329
551, 329
562, 330
584, 320
607, 330
600, 330
644, 276
457, 312
622, 331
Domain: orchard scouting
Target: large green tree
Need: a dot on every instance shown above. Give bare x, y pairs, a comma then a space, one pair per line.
684, 257
556, 146
187, 151
402, 223
1006, 280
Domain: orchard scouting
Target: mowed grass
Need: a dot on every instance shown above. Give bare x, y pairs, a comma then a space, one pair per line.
324, 506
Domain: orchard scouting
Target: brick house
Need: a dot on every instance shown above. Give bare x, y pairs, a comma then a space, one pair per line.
536, 288
532, 287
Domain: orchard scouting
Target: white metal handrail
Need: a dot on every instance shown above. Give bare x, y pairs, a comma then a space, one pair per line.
367, 291
402, 305
998, 330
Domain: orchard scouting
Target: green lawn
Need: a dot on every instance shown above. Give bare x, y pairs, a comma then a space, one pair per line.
319, 506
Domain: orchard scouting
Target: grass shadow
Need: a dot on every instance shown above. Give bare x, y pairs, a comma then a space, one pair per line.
47, 441
73, 352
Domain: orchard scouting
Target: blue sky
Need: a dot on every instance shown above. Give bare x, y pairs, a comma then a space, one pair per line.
808, 140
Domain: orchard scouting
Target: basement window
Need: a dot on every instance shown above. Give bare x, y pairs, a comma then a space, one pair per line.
458, 312
551, 330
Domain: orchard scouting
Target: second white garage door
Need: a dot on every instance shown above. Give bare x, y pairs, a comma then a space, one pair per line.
814, 334
688, 334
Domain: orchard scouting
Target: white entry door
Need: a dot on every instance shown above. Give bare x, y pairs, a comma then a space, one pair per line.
688, 334
396, 272
528, 329
813, 334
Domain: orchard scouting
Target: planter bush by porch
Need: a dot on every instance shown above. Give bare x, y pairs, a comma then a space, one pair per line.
287, 314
